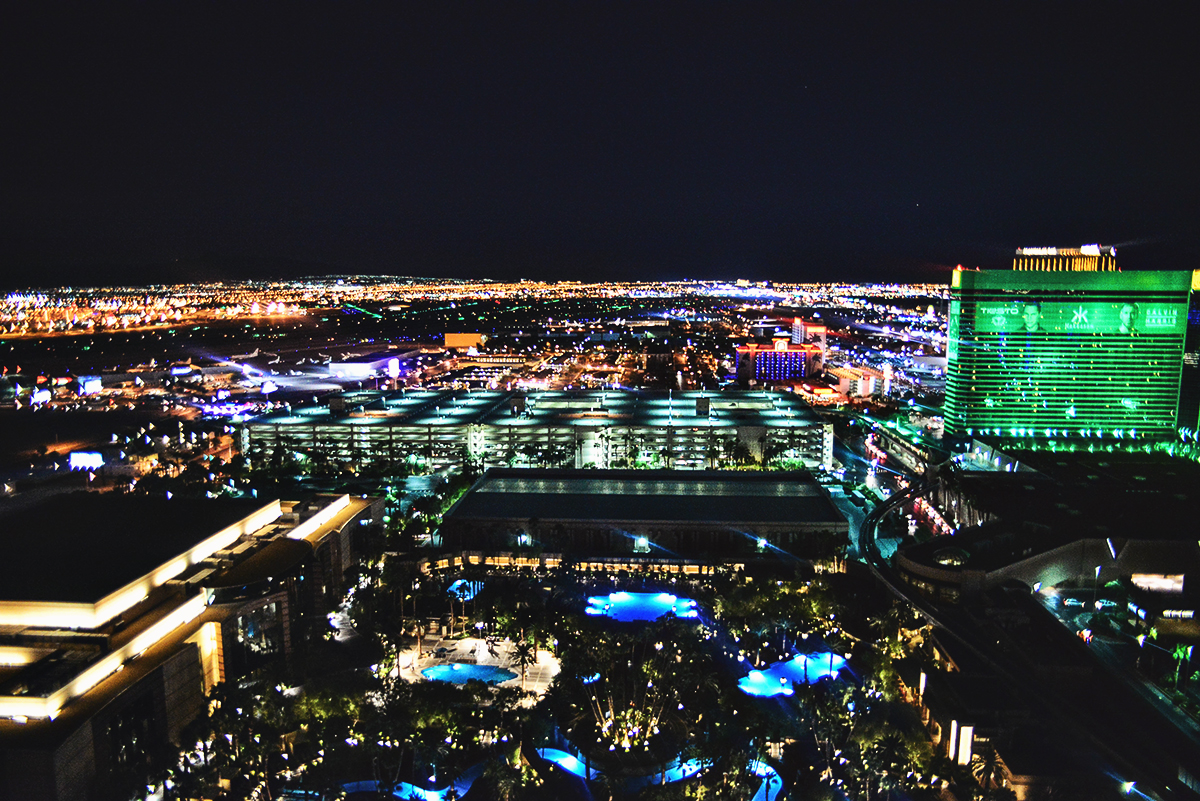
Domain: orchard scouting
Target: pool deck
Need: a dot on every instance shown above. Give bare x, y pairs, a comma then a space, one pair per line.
474, 651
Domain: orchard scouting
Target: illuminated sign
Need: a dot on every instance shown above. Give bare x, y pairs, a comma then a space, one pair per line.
352, 370
85, 460
393, 368
1157, 582
1068, 357
229, 409
89, 384
1083, 250
1122, 317
40, 396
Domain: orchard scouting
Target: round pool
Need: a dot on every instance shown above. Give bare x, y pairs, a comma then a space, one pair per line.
461, 674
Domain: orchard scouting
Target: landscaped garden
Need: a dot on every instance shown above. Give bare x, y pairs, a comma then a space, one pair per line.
565, 684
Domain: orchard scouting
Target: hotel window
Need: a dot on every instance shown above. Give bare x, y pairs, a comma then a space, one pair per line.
261, 631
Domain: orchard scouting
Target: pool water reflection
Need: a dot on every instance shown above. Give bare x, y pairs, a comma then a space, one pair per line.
779, 678
461, 674
628, 607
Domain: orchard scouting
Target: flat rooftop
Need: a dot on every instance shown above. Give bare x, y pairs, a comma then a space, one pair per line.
80, 547
585, 408
652, 496
1137, 495
1066, 497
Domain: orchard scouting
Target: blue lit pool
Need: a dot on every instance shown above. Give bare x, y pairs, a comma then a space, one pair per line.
461, 674
772, 785
676, 771
568, 762
461, 785
629, 607
680, 771
779, 678
465, 590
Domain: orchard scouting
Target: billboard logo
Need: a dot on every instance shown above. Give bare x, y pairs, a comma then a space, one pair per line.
1161, 317
1080, 317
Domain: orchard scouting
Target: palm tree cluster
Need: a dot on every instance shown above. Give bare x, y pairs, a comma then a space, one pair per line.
635, 696
631, 697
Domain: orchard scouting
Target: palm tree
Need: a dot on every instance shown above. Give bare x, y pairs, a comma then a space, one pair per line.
729, 445
606, 786
506, 781
1182, 653
712, 448
524, 655
988, 768
962, 781
772, 452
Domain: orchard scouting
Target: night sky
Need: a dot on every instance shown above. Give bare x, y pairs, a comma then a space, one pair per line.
174, 141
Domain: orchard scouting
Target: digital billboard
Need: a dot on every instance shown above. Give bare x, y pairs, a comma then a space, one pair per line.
1032, 315
1066, 356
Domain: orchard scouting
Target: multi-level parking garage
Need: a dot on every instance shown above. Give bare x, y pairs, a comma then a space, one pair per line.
604, 429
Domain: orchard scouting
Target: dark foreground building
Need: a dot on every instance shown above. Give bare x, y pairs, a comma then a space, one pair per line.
646, 514
1070, 520
119, 613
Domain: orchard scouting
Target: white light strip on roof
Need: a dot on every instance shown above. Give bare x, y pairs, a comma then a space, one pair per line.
57, 614
49, 706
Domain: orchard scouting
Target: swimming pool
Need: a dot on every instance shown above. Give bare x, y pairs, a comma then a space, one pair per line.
461, 784
568, 762
772, 785
779, 678
465, 590
676, 771
628, 607
461, 674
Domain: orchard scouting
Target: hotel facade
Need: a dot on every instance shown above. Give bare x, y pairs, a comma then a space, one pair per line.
1066, 357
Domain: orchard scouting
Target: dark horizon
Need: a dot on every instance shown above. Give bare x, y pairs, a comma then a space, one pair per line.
155, 144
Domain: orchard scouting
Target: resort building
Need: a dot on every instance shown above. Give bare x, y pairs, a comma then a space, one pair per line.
118, 614
633, 516
780, 360
1065, 358
594, 428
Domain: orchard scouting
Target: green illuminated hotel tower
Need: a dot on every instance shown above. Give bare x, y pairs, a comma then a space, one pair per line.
1064, 356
